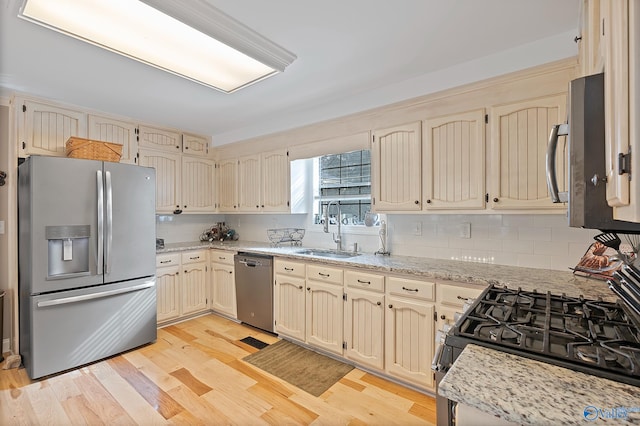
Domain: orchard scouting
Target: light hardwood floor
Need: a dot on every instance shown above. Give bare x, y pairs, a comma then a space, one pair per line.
194, 374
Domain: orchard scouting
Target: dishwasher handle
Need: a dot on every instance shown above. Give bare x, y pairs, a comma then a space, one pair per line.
250, 263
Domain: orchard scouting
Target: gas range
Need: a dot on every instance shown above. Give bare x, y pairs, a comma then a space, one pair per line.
592, 336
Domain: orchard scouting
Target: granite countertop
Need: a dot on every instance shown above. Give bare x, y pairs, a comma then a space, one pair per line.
525, 391
482, 274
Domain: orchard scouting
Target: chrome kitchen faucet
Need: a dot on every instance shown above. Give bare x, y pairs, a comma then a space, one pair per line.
338, 239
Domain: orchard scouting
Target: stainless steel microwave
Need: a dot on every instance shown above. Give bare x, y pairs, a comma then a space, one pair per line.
586, 195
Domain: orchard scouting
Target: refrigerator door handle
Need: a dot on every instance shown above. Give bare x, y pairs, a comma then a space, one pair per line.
100, 220
75, 299
109, 228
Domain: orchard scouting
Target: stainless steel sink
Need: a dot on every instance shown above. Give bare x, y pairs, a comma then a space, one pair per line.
334, 254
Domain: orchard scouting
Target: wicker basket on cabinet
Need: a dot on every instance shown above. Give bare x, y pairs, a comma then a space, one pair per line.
93, 150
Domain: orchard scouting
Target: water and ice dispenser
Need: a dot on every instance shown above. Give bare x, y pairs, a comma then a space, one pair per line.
68, 250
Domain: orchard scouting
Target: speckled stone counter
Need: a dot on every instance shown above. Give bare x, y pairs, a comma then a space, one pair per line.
525, 391
481, 274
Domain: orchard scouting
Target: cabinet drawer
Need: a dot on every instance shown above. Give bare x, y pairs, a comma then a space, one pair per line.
286, 267
456, 295
222, 256
194, 256
324, 274
163, 260
363, 280
411, 288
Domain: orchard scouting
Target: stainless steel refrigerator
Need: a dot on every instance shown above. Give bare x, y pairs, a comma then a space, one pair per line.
86, 261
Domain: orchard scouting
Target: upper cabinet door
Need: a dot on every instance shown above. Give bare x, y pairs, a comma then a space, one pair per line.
198, 185
168, 174
453, 161
275, 181
396, 168
115, 131
228, 185
163, 139
249, 185
46, 128
519, 137
616, 101
194, 144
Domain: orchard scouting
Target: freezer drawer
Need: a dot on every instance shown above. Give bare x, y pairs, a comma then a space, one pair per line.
68, 329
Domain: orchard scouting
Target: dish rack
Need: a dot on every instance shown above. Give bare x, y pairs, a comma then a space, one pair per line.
286, 235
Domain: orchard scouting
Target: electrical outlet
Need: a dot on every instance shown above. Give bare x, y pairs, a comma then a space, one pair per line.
465, 230
417, 228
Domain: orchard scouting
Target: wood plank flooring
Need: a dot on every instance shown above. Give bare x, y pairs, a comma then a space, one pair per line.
194, 374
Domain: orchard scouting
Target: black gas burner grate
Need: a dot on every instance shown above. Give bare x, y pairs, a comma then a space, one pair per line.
592, 333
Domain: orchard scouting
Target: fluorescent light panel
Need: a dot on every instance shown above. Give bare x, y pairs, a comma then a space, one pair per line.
135, 29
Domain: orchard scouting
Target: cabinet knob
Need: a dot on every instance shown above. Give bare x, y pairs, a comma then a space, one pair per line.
257, 207
300, 287
495, 200
443, 317
308, 288
428, 201
390, 306
417, 202
262, 206
177, 146
379, 303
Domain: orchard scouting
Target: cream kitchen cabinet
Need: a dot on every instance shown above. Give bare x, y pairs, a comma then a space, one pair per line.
195, 145
519, 137
451, 298
263, 182
324, 307
621, 47
289, 298
168, 287
198, 185
249, 184
223, 283
227, 177
44, 129
276, 186
123, 133
168, 167
161, 139
194, 282
453, 161
396, 168
590, 44
364, 318
409, 330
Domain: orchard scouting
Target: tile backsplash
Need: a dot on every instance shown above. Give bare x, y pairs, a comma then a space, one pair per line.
537, 241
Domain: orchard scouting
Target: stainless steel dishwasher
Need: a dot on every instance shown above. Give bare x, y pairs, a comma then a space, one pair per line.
254, 290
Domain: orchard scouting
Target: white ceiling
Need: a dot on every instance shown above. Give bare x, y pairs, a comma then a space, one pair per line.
352, 55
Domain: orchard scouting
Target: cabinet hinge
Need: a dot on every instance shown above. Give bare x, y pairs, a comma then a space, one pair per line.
435, 316
287, 153
288, 204
624, 163
486, 118
374, 201
24, 108
486, 197
24, 145
344, 296
344, 345
373, 138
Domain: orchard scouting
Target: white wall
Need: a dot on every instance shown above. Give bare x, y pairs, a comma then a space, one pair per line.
536, 241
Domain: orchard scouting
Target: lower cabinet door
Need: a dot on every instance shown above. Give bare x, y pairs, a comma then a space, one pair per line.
364, 328
223, 289
289, 301
409, 340
168, 293
325, 309
194, 288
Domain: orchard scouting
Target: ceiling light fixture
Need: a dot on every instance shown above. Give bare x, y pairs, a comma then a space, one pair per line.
189, 38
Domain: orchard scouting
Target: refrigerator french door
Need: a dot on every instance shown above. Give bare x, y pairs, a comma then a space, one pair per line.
86, 261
